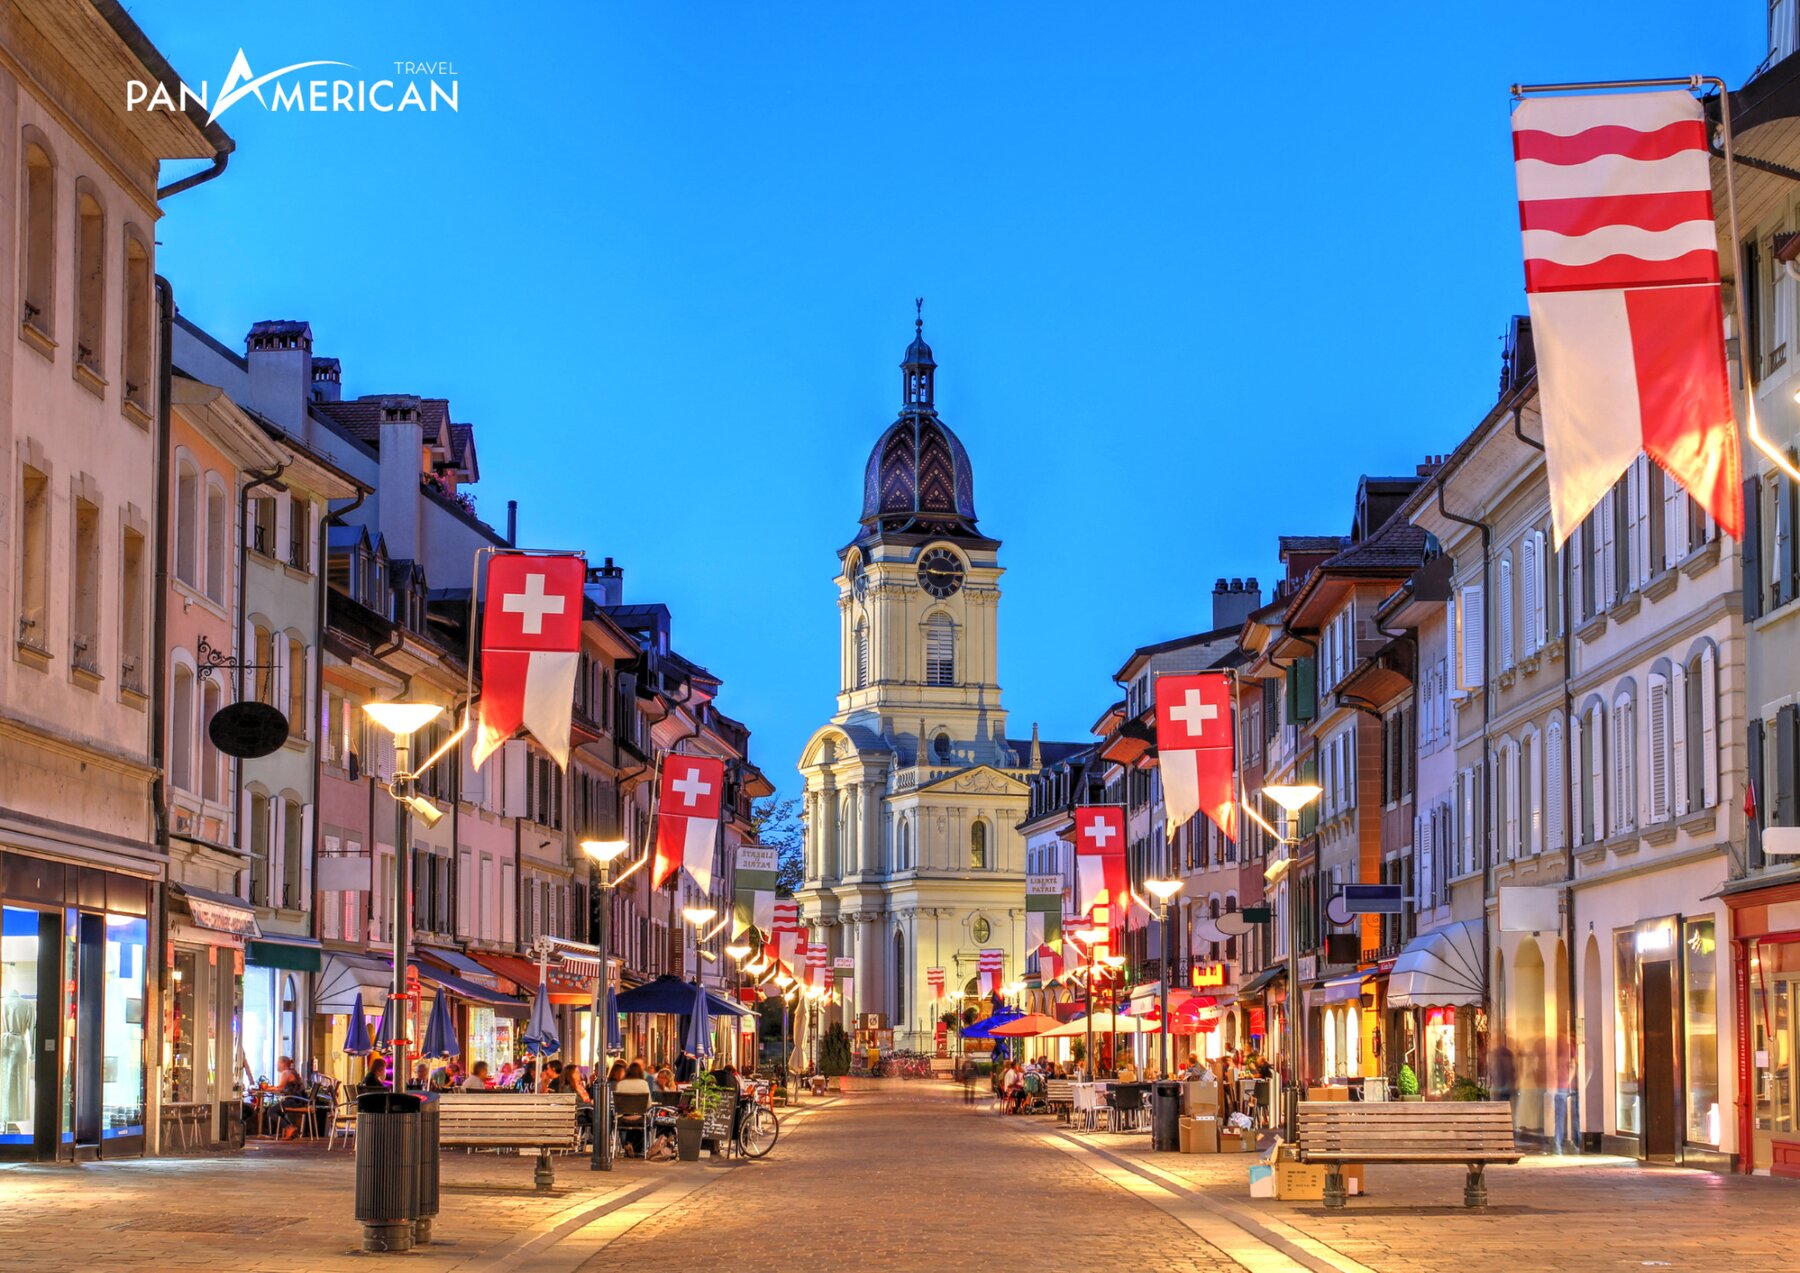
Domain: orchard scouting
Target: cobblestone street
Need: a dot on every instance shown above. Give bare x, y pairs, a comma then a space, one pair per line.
903, 1179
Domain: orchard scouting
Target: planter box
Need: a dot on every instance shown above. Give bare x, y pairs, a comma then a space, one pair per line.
687, 1138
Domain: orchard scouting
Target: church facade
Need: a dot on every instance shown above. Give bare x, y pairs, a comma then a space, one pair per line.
914, 792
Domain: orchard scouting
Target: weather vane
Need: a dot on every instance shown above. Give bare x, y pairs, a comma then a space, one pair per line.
919, 314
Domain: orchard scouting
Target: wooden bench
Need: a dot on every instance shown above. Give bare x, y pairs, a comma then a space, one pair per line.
509, 1120
1474, 1133
1059, 1095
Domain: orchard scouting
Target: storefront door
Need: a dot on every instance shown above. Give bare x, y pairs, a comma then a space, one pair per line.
1775, 1034
29, 942
1659, 1079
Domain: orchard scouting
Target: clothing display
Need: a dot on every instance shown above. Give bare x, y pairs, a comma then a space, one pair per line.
18, 1030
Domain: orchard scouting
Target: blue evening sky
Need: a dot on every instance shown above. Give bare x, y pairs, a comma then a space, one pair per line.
1190, 269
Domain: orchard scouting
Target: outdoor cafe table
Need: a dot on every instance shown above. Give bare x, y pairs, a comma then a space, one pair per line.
1087, 1100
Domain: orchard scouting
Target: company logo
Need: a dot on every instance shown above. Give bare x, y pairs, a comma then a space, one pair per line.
421, 86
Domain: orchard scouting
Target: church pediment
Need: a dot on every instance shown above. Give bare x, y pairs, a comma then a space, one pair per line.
977, 780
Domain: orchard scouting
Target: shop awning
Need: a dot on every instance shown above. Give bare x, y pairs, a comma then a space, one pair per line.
719, 1003
343, 976
565, 987
455, 961
577, 957
1340, 989
277, 950
1261, 981
219, 911
503, 1005
1442, 968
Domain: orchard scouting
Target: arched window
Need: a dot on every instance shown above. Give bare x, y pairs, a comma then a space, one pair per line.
862, 655
978, 847
187, 523
38, 269
1554, 770
212, 760
290, 1018
1657, 704
218, 541
1506, 613
940, 748
90, 278
181, 729
263, 648
259, 848
1701, 720
296, 687
293, 850
136, 365
901, 975
903, 846
1590, 774
940, 651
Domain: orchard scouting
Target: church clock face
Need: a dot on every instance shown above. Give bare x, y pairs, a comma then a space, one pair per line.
981, 930
940, 573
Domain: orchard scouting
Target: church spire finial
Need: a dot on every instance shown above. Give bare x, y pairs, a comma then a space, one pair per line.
919, 317
1037, 752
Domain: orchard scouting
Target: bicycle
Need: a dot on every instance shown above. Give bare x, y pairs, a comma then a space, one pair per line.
757, 1127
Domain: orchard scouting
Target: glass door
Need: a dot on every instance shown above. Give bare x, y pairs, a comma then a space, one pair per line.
1774, 987
28, 1015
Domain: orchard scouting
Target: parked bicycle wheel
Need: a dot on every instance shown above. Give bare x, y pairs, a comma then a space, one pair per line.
757, 1131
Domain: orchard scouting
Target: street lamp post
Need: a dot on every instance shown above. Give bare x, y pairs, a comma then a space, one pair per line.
1293, 798
602, 853
403, 720
1164, 890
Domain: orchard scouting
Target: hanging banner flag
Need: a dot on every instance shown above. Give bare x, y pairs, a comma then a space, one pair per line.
817, 974
1043, 911
990, 967
1622, 276
687, 818
753, 898
1196, 749
934, 977
1050, 965
530, 651
1100, 853
784, 935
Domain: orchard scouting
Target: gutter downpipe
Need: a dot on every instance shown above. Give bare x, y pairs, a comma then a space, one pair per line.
1487, 715
268, 478
333, 517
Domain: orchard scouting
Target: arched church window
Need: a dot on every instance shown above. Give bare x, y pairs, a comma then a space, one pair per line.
862, 655
978, 856
940, 651
940, 747
903, 855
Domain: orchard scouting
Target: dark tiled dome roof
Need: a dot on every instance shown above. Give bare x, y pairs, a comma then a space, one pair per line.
919, 479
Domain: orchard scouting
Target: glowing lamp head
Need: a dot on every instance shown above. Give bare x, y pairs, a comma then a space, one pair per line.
604, 851
697, 915
1163, 889
1293, 796
403, 720
737, 950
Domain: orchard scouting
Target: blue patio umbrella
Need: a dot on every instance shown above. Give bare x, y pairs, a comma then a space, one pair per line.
980, 1030
615, 1038
356, 1038
440, 1031
393, 1022
697, 1035
540, 1035
667, 994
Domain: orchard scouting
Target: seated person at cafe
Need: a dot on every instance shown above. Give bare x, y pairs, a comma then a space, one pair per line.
291, 1098
634, 1084
1128, 1072
665, 1081
374, 1079
616, 1073
478, 1078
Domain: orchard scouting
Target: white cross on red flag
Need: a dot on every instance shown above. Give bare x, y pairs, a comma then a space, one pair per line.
530, 651
1100, 854
1196, 749
687, 818
1622, 275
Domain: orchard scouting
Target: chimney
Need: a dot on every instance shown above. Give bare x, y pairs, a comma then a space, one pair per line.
606, 584
402, 448
327, 380
512, 524
1233, 601
279, 354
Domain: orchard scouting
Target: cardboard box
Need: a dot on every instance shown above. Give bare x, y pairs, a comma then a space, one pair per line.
1299, 1182
1199, 1096
1200, 1134
1328, 1093
1262, 1180
1235, 1142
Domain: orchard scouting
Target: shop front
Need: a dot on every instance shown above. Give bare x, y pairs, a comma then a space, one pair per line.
278, 972
1435, 1010
74, 950
1337, 1020
1765, 943
203, 1066
346, 978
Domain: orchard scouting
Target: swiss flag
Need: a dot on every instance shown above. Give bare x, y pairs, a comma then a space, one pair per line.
530, 651
1195, 748
1100, 855
687, 818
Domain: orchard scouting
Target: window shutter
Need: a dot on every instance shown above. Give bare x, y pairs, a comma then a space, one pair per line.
1512, 800
1709, 727
1576, 548
1466, 819
1752, 548
1301, 692
1578, 783
1597, 771
1553, 786
305, 850
515, 760
1607, 582
384, 755
1471, 622
1534, 792
1505, 633
1675, 522
1530, 594
474, 781
465, 893
1637, 486
1784, 537
1621, 766
1753, 826
1659, 748
1678, 741
1781, 801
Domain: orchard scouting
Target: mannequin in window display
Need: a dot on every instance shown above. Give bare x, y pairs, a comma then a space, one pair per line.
18, 1027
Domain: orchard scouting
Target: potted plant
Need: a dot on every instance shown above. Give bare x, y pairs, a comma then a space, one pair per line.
1464, 1088
834, 1055
1408, 1084
691, 1126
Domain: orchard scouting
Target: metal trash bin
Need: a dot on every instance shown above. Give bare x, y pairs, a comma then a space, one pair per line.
430, 1160
1165, 1115
387, 1167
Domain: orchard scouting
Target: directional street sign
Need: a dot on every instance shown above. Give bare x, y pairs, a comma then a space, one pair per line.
1374, 899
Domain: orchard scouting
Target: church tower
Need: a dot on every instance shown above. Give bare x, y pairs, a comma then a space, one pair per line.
913, 790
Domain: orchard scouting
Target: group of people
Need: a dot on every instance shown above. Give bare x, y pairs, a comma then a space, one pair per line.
1018, 1084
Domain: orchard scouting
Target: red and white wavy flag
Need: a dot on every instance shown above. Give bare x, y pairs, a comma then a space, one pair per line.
990, 965
817, 973
1196, 749
530, 651
784, 936
934, 977
1100, 855
1622, 274
687, 818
